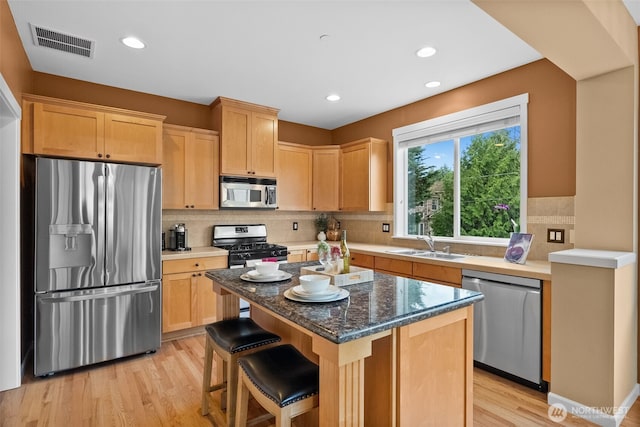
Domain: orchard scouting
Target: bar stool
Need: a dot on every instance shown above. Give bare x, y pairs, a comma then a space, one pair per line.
281, 380
230, 339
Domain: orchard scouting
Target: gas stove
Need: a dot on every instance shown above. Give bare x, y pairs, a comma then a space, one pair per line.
247, 244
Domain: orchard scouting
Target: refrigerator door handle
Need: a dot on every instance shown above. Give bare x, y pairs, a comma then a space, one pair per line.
93, 295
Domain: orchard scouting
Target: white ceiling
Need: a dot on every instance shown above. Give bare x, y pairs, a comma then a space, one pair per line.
270, 52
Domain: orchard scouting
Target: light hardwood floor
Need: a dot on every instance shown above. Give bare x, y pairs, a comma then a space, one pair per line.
163, 389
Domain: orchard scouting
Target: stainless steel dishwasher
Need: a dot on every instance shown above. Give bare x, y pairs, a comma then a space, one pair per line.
507, 326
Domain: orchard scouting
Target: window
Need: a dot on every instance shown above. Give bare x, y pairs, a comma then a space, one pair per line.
463, 176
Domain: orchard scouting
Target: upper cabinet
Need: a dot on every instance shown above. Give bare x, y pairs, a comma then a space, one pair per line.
364, 175
248, 137
295, 163
60, 128
326, 178
190, 168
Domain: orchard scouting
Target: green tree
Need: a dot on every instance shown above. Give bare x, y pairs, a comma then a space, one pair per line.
490, 177
420, 178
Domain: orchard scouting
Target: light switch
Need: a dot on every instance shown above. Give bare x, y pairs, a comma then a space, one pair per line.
555, 235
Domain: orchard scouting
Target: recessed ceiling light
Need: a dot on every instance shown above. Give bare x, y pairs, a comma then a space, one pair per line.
426, 52
133, 42
432, 84
333, 97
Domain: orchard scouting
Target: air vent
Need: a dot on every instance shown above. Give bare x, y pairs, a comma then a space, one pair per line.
60, 41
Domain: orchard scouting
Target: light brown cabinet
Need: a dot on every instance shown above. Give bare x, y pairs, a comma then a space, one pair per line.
190, 168
364, 175
188, 299
326, 178
248, 137
295, 163
301, 255
440, 274
60, 128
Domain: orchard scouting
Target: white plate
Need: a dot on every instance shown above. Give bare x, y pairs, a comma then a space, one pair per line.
255, 275
278, 278
330, 291
292, 296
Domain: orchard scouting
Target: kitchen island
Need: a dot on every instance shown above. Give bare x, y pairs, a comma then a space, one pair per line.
397, 351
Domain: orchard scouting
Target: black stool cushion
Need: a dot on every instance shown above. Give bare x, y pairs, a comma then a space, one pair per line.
282, 373
239, 334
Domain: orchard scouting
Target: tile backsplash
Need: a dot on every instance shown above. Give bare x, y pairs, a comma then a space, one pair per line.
542, 213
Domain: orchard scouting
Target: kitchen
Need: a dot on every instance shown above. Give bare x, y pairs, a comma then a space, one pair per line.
551, 183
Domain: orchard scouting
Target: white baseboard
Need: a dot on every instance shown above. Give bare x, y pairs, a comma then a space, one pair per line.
594, 415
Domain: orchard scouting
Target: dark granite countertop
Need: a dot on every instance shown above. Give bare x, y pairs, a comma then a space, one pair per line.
384, 303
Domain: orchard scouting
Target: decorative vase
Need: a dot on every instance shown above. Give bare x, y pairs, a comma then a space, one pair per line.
321, 236
333, 235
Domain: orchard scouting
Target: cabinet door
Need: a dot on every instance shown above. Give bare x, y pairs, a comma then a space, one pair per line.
236, 137
206, 301
263, 144
178, 298
297, 255
133, 139
201, 172
294, 177
67, 131
355, 178
326, 179
173, 169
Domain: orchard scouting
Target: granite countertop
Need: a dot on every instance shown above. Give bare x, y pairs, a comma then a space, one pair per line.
386, 302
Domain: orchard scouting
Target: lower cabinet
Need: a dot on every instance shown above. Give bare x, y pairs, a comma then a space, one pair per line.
438, 274
188, 299
301, 255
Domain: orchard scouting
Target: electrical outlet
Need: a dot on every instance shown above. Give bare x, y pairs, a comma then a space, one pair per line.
295, 226
385, 227
555, 235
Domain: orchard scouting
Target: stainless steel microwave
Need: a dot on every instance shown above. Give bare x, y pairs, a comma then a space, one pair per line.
244, 192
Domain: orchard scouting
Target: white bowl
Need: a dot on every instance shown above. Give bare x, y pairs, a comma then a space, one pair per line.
267, 268
314, 283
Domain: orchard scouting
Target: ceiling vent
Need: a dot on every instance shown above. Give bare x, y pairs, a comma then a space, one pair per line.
60, 41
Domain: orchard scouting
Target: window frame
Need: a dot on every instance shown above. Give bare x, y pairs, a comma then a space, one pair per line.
448, 126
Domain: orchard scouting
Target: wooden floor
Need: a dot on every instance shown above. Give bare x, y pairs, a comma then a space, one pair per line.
163, 389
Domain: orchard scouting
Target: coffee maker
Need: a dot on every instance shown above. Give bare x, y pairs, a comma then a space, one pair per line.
178, 238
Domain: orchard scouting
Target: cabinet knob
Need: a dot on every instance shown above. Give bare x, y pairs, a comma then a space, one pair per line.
192, 206
193, 275
108, 156
197, 265
186, 206
199, 274
99, 155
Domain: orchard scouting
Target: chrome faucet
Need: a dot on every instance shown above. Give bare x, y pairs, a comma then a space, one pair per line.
429, 241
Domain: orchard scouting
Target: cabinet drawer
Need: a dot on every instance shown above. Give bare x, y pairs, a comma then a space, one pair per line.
437, 273
362, 260
393, 265
193, 264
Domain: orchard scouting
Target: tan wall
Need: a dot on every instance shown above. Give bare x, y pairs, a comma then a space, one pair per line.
14, 65
552, 136
605, 161
177, 112
594, 336
301, 134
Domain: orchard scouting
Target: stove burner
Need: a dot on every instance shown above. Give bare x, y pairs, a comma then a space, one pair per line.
246, 243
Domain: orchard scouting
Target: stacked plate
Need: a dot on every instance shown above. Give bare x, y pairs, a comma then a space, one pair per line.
254, 276
333, 293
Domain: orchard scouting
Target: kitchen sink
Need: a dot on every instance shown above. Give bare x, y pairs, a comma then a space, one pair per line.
425, 254
414, 252
440, 255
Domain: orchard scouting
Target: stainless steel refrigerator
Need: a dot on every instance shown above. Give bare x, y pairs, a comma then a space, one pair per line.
97, 262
